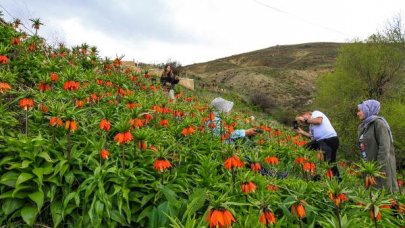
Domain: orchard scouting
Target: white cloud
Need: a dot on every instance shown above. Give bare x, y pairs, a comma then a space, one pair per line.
192, 31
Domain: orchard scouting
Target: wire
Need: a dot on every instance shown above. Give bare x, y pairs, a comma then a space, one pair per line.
5, 10
300, 18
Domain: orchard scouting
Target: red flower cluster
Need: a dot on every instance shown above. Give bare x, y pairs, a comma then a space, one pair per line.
267, 217
337, 199
124, 137
161, 164
104, 154
164, 123
71, 85
105, 125
298, 210
26, 103
4, 87
54, 77
255, 167
71, 125
272, 160
220, 218
233, 162
55, 121
3, 59
248, 187
188, 130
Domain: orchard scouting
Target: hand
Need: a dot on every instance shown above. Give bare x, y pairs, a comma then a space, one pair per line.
299, 131
250, 132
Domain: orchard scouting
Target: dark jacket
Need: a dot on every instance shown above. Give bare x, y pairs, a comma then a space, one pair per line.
168, 80
378, 147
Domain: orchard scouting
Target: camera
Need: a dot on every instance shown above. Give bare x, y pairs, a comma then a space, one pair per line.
295, 124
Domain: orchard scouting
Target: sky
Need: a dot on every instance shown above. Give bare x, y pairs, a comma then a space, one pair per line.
194, 31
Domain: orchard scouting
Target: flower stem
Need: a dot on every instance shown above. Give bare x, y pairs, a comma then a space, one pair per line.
123, 156
68, 148
26, 122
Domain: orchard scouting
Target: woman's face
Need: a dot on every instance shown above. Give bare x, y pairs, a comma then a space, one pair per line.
168, 68
360, 114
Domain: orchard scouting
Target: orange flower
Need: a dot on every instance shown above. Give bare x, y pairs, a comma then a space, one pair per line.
161, 164
188, 130
71, 85
255, 167
3, 59
55, 121
123, 137
43, 108
220, 218
54, 77
267, 217
272, 187
377, 218
248, 187
370, 181
104, 154
15, 41
43, 87
148, 117
164, 123
26, 103
298, 210
340, 198
105, 125
99, 81
309, 167
4, 87
329, 174
71, 125
80, 103
300, 160
233, 162
136, 123
271, 160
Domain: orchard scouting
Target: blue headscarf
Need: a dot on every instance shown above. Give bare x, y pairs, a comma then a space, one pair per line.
371, 108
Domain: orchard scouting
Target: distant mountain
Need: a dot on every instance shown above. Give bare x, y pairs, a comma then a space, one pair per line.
283, 75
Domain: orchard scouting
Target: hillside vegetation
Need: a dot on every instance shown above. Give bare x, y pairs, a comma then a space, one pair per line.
283, 75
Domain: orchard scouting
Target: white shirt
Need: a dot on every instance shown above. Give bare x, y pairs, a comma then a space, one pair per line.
323, 130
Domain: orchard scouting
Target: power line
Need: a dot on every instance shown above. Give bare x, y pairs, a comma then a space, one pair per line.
301, 19
5, 10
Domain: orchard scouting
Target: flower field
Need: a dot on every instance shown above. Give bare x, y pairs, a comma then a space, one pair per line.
85, 142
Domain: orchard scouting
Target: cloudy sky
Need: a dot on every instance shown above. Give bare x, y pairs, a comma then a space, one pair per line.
192, 31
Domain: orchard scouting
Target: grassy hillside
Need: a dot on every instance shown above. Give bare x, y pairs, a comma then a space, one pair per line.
283, 75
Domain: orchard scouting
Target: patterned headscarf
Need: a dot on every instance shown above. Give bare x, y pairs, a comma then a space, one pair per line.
371, 108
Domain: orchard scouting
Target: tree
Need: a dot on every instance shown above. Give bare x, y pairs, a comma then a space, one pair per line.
36, 23
370, 69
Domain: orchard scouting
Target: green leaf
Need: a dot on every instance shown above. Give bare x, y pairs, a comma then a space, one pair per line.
6, 160
45, 156
25, 164
11, 205
196, 202
23, 177
38, 198
56, 211
9, 178
39, 172
29, 214
120, 218
99, 208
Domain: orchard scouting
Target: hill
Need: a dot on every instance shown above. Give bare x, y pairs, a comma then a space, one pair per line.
280, 78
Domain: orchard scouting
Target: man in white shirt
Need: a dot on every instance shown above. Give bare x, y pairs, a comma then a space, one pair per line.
323, 136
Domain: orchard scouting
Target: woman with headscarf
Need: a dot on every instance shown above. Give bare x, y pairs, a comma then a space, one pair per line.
224, 107
376, 142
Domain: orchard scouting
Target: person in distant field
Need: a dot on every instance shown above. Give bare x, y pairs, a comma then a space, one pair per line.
322, 134
376, 143
222, 106
167, 79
